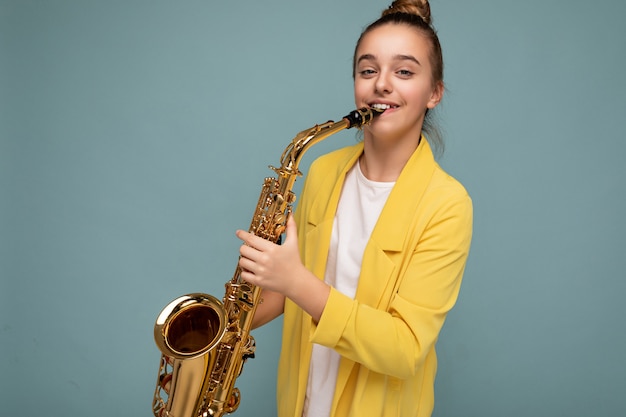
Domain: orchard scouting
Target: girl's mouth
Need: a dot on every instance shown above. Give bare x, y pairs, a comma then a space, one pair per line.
381, 106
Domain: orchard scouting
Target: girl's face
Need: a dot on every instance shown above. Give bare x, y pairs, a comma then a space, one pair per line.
393, 70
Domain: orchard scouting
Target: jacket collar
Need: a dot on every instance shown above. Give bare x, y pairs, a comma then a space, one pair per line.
399, 211
391, 227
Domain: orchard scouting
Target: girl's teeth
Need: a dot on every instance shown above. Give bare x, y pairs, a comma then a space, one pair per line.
381, 106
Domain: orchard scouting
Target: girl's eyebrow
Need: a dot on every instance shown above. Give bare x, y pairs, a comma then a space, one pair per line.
406, 58
366, 57
399, 57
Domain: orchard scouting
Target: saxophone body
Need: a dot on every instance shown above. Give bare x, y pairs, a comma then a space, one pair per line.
204, 342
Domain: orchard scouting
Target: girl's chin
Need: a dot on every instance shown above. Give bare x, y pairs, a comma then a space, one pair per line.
382, 129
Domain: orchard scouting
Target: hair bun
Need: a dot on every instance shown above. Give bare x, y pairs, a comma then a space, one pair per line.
420, 8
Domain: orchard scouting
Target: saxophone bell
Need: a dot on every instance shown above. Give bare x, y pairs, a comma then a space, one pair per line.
186, 332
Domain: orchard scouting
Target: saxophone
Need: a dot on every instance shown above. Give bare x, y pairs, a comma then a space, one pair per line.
204, 342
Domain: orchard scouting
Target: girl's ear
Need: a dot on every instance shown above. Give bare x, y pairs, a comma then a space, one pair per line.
436, 95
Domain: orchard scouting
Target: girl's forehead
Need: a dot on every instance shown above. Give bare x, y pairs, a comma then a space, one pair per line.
394, 39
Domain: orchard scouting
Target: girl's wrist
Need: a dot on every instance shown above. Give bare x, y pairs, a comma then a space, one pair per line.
309, 293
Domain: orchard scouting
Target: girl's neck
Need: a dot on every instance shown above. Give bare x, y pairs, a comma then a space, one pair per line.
383, 162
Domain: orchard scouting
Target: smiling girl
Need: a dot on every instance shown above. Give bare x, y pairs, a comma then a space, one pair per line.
373, 259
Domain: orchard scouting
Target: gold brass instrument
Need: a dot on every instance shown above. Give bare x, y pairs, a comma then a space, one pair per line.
204, 342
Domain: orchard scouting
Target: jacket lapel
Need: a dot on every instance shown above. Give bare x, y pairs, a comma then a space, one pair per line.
324, 207
393, 228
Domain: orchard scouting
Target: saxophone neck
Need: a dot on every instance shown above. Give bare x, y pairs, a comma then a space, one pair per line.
292, 155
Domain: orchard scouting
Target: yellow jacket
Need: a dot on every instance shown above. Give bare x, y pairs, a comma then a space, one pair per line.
410, 278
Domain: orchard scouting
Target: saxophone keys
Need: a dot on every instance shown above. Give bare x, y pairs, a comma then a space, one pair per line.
279, 219
279, 199
233, 401
279, 231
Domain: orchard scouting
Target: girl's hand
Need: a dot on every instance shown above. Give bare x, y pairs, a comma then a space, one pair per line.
268, 265
278, 268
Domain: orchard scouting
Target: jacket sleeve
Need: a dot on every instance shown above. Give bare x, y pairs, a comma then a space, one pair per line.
396, 339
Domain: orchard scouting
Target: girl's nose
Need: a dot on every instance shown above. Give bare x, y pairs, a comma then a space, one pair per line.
383, 84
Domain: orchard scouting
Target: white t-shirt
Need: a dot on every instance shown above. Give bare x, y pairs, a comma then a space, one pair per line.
360, 204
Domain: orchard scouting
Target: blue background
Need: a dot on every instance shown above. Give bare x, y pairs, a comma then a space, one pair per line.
135, 136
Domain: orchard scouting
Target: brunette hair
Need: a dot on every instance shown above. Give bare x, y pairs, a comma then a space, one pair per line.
415, 14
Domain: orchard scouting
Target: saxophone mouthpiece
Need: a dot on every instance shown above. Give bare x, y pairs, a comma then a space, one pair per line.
360, 117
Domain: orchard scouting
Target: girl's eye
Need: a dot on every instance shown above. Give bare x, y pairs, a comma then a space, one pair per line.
367, 72
405, 73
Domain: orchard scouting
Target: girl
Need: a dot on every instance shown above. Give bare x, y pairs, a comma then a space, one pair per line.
372, 260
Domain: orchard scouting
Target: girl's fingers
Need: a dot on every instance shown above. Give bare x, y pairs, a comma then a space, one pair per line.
247, 251
246, 264
253, 241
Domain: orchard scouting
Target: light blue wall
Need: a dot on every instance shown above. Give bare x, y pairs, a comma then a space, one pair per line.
135, 136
